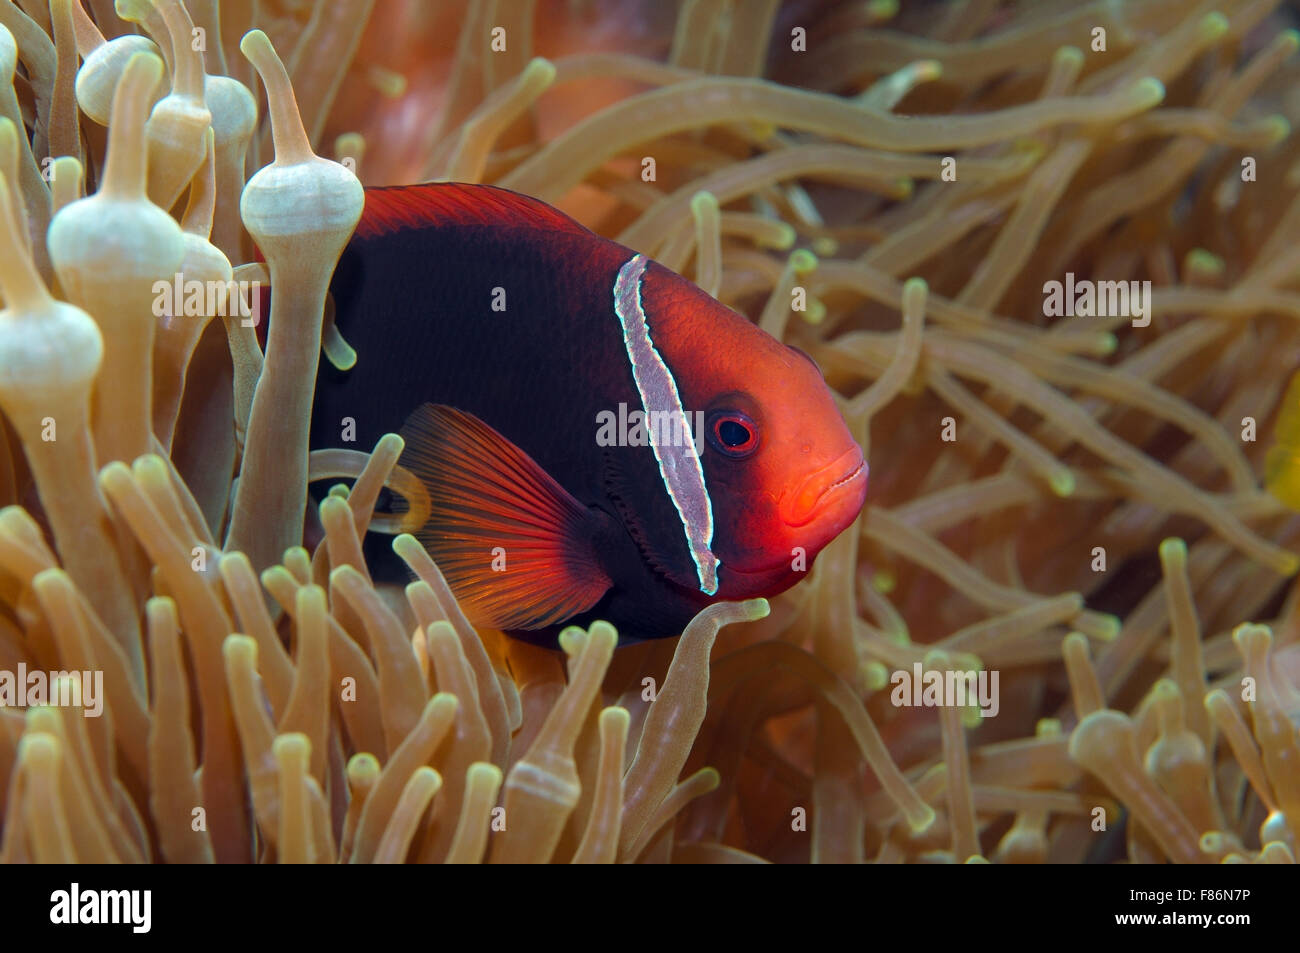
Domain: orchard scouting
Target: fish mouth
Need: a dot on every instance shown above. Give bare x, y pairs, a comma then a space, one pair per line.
844, 476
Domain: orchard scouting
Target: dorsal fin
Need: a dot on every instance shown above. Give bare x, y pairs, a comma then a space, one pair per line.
392, 208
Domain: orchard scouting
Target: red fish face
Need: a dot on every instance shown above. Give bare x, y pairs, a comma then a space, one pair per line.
785, 474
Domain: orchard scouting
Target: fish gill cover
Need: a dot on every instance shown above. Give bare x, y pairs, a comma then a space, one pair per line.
1044, 253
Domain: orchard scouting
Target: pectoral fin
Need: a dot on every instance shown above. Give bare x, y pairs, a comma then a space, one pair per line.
515, 546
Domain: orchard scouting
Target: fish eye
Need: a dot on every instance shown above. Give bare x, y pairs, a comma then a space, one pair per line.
732, 433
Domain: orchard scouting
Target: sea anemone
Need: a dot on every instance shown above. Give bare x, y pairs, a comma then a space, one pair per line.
1068, 505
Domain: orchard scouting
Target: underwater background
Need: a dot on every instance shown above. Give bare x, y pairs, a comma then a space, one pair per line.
1094, 507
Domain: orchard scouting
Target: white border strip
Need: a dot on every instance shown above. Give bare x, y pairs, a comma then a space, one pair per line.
679, 463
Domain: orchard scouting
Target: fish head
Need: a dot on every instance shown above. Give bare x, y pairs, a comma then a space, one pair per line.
785, 474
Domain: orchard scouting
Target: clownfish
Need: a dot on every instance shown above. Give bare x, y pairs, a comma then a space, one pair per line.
599, 438
1282, 464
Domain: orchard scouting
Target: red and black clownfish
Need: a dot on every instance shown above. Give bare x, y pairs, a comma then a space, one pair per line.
599, 438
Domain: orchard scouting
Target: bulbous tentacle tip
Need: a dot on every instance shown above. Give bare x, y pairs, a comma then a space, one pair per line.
293, 747
37, 750
362, 766
8, 54
101, 71
921, 818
